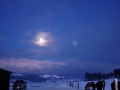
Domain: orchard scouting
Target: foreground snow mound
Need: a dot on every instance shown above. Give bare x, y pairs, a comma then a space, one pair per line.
62, 85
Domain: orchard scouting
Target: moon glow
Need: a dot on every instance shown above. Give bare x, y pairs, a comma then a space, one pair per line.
43, 39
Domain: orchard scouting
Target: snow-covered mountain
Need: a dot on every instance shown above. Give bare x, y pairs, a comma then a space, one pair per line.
16, 74
48, 76
45, 76
40, 78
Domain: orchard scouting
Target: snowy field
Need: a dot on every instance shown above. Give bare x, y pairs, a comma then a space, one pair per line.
61, 85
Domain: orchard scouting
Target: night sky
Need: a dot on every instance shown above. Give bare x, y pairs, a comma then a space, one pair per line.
63, 37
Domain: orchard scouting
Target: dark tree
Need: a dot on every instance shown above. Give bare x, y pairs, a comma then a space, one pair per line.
111, 74
99, 76
118, 73
115, 73
87, 75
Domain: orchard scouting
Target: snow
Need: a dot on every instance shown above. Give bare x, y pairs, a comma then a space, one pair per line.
51, 76
55, 76
45, 76
16, 74
61, 85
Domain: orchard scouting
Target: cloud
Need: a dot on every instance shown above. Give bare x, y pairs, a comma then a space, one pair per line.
23, 65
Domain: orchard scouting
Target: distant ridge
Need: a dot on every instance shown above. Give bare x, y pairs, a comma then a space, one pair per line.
16, 74
48, 76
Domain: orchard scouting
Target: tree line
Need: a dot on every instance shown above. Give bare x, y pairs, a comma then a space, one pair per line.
99, 76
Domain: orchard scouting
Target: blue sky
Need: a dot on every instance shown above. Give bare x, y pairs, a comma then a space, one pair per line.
64, 37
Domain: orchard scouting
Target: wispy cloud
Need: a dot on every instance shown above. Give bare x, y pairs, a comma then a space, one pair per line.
28, 65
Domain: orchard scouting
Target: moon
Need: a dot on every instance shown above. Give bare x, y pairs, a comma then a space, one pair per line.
43, 39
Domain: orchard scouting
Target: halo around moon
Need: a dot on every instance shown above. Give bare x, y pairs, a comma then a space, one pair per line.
43, 39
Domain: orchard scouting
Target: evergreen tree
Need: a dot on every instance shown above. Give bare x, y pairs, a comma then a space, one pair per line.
115, 73
87, 75
99, 76
118, 72
111, 74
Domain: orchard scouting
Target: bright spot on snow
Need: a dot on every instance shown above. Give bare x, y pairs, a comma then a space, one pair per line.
74, 43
